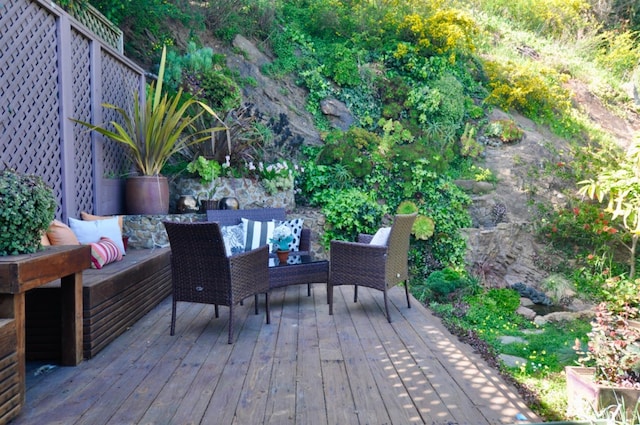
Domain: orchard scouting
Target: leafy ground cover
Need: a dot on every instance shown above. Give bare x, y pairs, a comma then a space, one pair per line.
484, 320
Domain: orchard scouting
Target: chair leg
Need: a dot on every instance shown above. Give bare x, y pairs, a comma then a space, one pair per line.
406, 290
217, 311
386, 305
230, 341
266, 299
308, 289
330, 298
255, 302
355, 293
173, 318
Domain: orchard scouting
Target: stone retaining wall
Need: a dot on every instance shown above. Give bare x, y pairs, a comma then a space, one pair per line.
250, 193
147, 231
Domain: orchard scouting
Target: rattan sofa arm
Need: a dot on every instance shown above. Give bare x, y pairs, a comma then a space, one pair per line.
250, 272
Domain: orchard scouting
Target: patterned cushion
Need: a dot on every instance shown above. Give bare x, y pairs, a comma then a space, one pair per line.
296, 229
233, 239
257, 233
381, 237
103, 252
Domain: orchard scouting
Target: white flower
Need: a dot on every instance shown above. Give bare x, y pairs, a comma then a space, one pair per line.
282, 232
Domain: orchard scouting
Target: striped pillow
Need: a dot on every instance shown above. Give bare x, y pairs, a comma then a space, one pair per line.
257, 233
103, 252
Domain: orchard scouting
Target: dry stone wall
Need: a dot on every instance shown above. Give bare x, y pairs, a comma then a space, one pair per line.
147, 231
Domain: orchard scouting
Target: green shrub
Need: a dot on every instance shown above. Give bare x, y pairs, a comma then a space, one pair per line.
219, 91
341, 64
350, 213
28, 207
439, 101
441, 284
207, 169
351, 149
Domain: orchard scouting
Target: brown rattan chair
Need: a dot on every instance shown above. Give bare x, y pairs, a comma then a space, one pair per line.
374, 266
202, 273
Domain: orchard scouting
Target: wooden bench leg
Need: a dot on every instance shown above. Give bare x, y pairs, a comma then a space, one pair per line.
71, 287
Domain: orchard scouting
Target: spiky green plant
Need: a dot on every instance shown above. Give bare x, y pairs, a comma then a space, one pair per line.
159, 128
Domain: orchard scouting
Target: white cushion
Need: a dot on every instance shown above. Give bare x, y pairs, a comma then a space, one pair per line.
296, 229
233, 237
92, 231
257, 233
381, 237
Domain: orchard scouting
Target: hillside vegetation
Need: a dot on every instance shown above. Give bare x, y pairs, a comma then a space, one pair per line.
420, 80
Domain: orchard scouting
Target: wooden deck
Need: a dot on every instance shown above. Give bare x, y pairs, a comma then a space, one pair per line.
305, 368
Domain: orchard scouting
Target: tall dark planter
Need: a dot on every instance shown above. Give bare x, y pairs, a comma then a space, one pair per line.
147, 195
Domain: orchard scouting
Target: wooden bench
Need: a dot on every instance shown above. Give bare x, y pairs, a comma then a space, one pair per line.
114, 298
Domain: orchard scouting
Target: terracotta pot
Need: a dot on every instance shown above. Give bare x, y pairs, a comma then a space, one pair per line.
584, 395
147, 195
282, 256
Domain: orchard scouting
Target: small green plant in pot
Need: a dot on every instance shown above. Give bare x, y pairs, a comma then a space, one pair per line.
28, 207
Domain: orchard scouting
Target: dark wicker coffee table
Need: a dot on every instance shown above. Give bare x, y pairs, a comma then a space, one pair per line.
300, 269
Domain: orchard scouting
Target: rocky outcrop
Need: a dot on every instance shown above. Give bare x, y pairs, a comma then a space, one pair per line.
274, 100
503, 255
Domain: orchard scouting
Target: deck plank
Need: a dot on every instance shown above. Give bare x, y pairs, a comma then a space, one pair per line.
253, 399
370, 405
306, 367
282, 396
310, 406
383, 358
495, 401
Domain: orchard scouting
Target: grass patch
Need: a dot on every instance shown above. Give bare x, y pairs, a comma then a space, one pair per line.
546, 350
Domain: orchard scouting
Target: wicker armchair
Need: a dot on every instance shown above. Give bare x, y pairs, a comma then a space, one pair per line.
202, 273
374, 266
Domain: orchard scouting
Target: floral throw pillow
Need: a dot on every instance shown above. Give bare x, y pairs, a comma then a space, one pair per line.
233, 237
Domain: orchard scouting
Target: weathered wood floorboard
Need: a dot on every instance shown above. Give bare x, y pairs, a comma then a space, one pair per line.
305, 368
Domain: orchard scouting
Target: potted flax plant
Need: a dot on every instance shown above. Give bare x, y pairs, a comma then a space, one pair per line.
152, 132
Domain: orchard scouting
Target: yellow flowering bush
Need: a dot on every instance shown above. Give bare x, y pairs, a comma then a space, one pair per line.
446, 32
537, 93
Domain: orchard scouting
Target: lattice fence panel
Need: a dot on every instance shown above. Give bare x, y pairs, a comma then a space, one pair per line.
99, 25
81, 59
119, 85
29, 118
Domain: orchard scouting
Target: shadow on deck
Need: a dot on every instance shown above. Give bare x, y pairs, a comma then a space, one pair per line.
305, 368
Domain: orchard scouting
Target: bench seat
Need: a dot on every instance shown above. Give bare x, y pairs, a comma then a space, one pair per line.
114, 298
